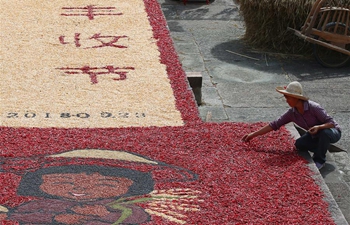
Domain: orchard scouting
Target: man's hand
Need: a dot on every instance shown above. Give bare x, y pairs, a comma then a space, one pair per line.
313, 130
267, 128
247, 137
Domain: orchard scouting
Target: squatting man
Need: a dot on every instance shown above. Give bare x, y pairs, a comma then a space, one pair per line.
322, 129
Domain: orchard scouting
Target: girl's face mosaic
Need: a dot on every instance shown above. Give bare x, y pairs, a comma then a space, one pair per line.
84, 187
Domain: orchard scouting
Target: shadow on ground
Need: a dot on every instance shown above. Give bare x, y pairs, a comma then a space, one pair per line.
303, 67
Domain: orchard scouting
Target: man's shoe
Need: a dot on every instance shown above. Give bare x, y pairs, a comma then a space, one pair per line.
319, 165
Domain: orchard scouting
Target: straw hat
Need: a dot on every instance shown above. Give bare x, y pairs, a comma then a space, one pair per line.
294, 89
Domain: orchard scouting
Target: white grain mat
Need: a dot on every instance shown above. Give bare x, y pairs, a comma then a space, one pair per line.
82, 64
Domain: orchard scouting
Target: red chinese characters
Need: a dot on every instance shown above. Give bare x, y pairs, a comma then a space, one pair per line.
93, 72
91, 11
102, 41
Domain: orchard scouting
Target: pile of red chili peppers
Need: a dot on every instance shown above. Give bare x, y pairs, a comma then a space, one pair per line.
261, 182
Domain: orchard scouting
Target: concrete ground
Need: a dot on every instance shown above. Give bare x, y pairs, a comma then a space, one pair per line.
239, 82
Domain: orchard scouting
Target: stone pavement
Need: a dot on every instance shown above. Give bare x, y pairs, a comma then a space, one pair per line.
239, 82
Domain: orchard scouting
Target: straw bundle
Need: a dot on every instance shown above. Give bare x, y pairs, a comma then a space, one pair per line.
267, 21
